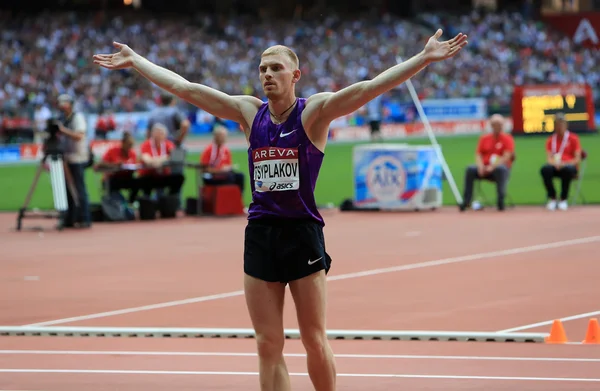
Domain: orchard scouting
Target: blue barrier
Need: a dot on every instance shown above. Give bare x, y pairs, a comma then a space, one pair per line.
10, 153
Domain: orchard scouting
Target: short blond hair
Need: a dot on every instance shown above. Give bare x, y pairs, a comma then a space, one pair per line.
284, 50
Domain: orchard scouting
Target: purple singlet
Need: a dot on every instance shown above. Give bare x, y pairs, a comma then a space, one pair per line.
284, 166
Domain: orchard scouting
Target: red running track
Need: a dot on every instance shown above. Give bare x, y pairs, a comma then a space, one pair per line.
424, 271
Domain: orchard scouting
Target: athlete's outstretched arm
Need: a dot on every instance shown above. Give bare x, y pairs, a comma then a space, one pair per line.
208, 99
351, 98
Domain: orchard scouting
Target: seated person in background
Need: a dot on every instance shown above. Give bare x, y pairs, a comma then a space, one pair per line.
564, 155
120, 162
105, 124
156, 174
493, 161
217, 164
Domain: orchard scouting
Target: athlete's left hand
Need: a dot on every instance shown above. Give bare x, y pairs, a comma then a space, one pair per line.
437, 51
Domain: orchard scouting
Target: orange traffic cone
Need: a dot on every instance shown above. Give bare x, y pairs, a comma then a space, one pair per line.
557, 333
593, 332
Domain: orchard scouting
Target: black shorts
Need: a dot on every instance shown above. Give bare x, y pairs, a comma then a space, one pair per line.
278, 250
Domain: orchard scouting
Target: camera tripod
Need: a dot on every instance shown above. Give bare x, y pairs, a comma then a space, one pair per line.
59, 176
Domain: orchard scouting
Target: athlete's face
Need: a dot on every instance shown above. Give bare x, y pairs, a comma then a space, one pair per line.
277, 74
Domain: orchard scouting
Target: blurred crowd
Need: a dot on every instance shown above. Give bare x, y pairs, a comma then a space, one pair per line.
50, 54
507, 50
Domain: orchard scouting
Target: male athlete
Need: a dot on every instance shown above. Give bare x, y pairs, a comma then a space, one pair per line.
284, 237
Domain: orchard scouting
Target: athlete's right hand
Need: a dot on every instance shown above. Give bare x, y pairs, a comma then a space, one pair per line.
121, 60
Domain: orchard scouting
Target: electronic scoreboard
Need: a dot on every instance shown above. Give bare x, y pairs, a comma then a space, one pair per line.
534, 107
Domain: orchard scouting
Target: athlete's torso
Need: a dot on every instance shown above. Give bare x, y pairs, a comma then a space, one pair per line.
284, 167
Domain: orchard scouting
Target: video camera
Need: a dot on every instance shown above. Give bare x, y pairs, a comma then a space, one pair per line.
52, 145
60, 176
52, 127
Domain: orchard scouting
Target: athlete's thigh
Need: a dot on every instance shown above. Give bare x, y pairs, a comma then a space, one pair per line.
310, 299
265, 307
262, 287
306, 273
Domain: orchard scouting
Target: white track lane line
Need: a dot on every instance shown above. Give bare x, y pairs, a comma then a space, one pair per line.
347, 276
301, 355
549, 322
365, 375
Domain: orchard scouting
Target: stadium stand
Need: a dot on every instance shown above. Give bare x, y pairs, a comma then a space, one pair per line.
42, 60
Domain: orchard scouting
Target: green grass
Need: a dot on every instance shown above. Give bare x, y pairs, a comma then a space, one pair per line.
336, 183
